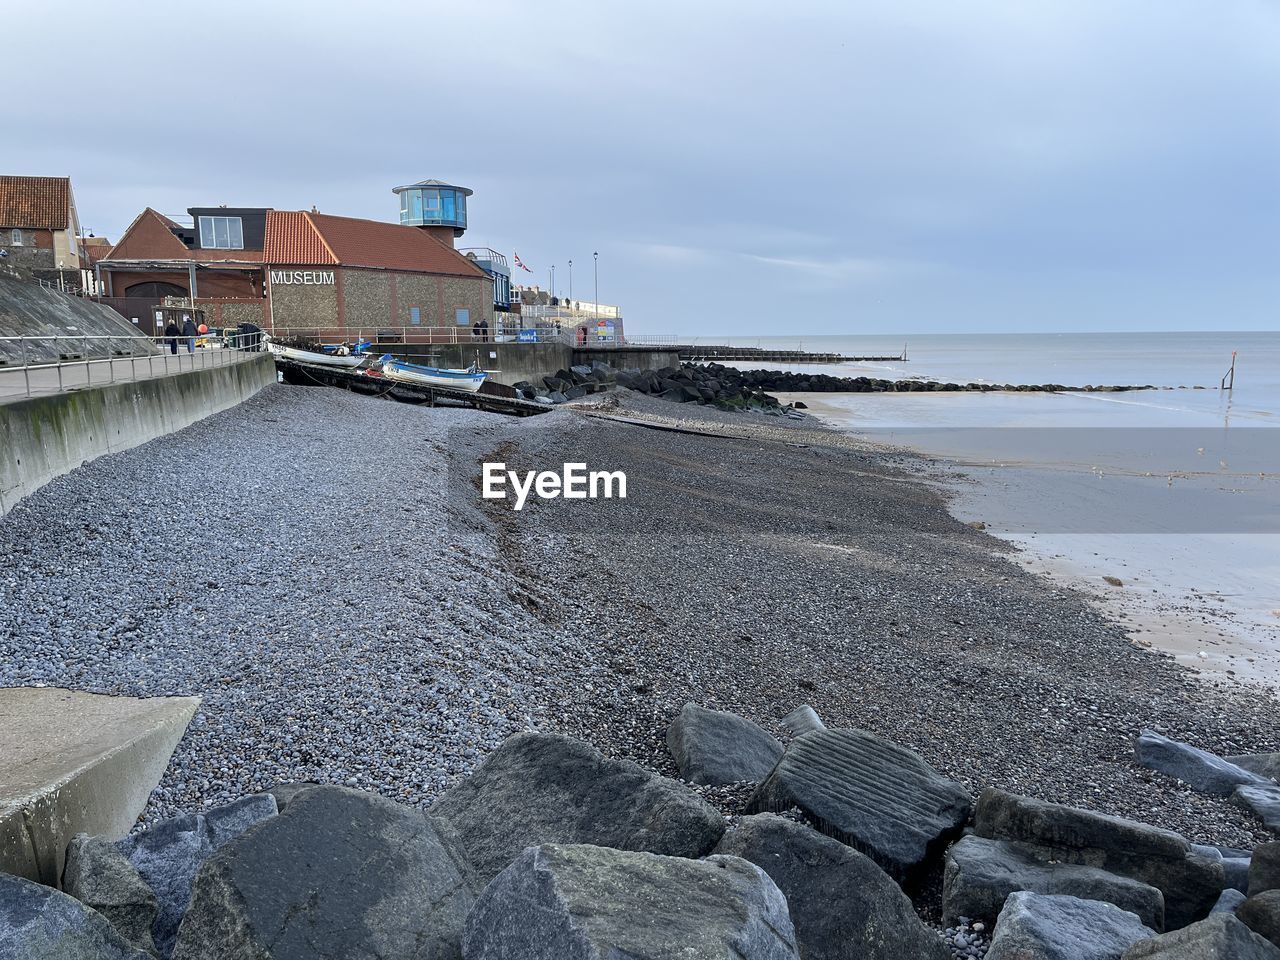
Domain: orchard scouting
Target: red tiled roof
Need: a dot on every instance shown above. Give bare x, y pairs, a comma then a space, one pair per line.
149, 237
37, 203
293, 239
94, 252
304, 239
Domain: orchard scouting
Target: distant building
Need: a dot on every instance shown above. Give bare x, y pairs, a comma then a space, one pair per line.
594, 322
299, 272
39, 229
495, 265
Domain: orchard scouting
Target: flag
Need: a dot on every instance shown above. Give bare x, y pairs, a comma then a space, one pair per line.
520, 263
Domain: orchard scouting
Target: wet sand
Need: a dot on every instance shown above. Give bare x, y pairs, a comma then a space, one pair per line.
1202, 589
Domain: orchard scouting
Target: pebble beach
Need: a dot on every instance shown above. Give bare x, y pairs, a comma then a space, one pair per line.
319, 567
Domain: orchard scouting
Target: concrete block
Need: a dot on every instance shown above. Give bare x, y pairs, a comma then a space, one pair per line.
77, 763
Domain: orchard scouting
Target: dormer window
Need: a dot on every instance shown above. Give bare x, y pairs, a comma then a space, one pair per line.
221, 233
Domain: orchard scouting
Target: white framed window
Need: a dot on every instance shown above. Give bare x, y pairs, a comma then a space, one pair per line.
15, 237
221, 233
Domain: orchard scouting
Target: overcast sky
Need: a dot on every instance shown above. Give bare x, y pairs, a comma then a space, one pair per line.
891, 167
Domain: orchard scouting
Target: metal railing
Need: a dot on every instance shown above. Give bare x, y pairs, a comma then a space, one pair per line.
498, 333
55, 364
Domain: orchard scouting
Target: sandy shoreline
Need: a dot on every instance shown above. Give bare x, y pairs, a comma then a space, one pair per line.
1197, 598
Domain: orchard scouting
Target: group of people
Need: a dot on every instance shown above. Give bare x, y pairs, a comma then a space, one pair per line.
480, 330
187, 332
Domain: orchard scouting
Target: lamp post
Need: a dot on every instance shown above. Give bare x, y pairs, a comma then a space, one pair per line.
571, 283
595, 269
552, 293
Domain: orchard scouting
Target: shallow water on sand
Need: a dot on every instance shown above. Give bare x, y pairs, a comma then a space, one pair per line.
1174, 492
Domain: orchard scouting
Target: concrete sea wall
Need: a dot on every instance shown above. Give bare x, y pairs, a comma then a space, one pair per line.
45, 437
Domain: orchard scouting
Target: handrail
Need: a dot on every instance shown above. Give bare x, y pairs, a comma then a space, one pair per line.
203, 351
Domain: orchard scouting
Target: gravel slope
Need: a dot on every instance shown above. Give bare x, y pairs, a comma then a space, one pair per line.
319, 567
290, 560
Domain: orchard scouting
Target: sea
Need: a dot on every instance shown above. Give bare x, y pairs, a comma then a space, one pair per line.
1162, 505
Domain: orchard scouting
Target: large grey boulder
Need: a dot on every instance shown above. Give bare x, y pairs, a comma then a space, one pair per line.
1264, 868
715, 747
169, 854
341, 873
876, 796
981, 874
1220, 937
100, 876
1190, 881
1263, 799
1034, 926
1261, 914
40, 923
1263, 764
579, 902
841, 903
539, 788
1200, 769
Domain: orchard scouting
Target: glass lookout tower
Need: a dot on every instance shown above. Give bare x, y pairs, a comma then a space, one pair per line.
437, 207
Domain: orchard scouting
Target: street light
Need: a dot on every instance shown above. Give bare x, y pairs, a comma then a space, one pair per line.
595, 269
571, 283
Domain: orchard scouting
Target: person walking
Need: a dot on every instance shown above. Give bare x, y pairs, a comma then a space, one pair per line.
171, 333
189, 331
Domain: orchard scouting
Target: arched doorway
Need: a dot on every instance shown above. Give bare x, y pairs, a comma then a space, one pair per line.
154, 291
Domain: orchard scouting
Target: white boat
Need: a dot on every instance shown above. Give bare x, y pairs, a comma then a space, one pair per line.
398, 370
316, 358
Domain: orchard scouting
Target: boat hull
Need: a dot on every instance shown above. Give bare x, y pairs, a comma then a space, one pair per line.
463, 380
316, 359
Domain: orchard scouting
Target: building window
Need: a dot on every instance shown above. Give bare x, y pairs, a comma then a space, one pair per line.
221, 233
15, 237
464, 317
415, 315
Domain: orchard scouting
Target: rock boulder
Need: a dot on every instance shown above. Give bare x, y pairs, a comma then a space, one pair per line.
540, 788
341, 873
841, 903
1261, 914
1263, 764
715, 747
1229, 902
40, 923
1220, 937
1035, 926
1190, 882
1263, 799
100, 876
876, 796
168, 855
981, 874
580, 902
1200, 769
1264, 868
